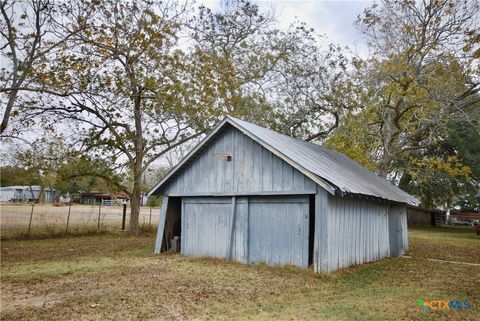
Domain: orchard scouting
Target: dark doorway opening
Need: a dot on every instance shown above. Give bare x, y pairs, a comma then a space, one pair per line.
173, 223
311, 228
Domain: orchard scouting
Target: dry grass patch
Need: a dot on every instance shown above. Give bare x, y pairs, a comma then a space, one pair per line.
116, 277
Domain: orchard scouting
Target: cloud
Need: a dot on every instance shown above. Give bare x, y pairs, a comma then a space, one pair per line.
334, 19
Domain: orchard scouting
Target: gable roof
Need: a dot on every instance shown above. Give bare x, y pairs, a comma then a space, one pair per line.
331, 170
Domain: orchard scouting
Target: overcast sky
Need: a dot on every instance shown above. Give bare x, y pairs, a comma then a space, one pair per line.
334, 18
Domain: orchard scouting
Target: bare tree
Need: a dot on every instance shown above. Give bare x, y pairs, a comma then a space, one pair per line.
32, 33
136, 95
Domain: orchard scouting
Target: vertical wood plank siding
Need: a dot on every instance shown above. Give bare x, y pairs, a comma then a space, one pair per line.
278, 230
273, 230
398, 230
353, 230
252, 169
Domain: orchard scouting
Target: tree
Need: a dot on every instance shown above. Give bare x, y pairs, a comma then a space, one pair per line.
40, 161
241, 35
31, 33
136, 95
423, 72
422, 78
447, 173
288, 80
80, 174
14, 175
309, 84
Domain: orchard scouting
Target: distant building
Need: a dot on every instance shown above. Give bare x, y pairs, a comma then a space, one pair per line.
417, 216
94, 198
26, 194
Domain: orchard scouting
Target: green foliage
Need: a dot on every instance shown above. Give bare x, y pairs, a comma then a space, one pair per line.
418, 85
135, 94
14, 175
449, 171
352, 139
38, 162
154, 201
32, 39
82, 174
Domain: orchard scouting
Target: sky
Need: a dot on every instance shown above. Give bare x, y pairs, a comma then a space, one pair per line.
333, 18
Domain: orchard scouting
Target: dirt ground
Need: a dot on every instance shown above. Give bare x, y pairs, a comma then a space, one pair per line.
116, 277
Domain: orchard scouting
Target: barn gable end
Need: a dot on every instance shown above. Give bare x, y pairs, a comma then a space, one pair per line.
251, 170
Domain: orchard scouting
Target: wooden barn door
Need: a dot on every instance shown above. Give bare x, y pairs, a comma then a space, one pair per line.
278, 229
206, 226
395, 230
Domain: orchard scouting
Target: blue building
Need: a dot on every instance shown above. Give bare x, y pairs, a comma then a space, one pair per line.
252, 195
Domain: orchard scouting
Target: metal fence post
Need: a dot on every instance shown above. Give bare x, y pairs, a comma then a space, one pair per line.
31, 216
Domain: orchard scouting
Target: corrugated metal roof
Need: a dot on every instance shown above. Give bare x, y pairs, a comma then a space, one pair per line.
346, 174
333, 168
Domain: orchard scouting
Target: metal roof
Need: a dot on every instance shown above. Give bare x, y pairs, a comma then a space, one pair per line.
331, 170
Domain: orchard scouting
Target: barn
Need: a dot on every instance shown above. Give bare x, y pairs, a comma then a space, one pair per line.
250, 194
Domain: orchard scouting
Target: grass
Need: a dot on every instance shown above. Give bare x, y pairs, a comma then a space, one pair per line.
55, 231
116, 277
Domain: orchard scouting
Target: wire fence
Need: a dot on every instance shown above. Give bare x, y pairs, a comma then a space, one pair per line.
31, 218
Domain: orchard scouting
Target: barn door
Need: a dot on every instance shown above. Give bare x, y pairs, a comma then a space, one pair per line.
278, 230
206, 226
395, 229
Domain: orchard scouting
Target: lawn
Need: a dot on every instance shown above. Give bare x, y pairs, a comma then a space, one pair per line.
116, 277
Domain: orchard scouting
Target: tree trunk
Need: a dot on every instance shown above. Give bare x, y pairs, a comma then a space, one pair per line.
6, 116
135, 205
384, 168
41, 195
31, 192
137, 166
404, 181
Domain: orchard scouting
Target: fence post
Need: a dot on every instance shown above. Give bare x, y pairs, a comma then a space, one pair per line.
31, 216
124, 216
150, 218
68, 216
99, 212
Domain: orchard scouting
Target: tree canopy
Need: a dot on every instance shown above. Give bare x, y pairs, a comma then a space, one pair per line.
127, 85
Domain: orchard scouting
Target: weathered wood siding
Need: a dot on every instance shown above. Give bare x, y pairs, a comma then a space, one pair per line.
278, 230
252, 169
206, 227
353, 230
398, 231
272, 230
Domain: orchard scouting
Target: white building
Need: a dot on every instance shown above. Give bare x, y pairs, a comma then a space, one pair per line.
25, 194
